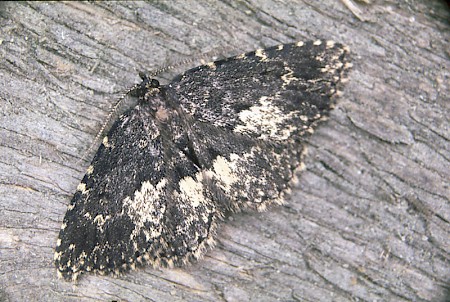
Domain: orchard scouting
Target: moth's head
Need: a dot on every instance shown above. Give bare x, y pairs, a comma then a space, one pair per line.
147, 87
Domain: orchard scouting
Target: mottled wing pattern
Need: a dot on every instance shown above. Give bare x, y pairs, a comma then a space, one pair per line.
255, 110
273, 94
134, 206
220, 138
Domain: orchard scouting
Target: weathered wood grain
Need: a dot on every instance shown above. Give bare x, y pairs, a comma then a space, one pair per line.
368, 219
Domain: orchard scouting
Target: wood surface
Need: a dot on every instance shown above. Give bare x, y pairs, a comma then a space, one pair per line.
368, 219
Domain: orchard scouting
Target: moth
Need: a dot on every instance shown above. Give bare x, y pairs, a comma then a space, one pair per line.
220, 138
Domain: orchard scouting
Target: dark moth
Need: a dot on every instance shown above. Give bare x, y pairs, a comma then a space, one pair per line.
223, 137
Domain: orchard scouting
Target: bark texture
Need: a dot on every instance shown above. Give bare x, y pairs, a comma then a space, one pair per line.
368, 219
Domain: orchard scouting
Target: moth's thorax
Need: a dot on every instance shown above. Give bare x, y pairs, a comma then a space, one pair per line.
162, 113
156, 102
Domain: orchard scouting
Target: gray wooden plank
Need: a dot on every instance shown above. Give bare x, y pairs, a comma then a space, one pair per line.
368, 219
